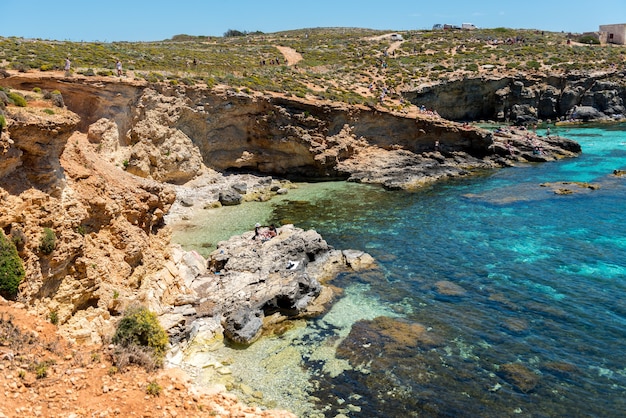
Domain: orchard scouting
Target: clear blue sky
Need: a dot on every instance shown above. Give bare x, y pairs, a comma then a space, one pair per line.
138, 20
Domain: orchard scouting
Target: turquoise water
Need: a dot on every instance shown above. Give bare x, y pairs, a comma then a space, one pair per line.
535, 324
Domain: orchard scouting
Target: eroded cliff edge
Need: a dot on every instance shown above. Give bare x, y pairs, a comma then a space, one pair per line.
103, 172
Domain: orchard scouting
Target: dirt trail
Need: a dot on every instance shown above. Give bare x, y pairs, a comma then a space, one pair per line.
290, 54
394, 46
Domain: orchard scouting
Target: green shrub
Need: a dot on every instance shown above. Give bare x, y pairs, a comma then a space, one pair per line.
140, 328
11, 268
3, 122
54, 317
48, 111
17, 99
48, 241
37, 89
153, 388
589, 39
533, 65
41, 369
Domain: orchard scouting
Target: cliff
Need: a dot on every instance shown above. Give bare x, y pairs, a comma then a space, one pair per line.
527, 98
102, 172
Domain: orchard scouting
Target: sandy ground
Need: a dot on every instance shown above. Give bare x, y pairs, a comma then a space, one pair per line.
290, 54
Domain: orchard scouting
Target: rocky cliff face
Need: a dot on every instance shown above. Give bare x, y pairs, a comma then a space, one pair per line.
171, 134
528, 98
97, 175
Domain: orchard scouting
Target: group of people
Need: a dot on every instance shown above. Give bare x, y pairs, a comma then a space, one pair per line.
263, 234
275, 61
68, 65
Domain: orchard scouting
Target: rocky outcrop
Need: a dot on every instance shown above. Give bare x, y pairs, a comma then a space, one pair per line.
252, 284
524, 98
34, 140
175, 133
108, 226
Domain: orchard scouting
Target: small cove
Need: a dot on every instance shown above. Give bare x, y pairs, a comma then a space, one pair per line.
543, 279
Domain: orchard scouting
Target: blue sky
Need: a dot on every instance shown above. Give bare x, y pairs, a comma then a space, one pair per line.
133, 20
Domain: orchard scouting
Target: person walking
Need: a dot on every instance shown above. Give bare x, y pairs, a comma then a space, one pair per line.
118, 66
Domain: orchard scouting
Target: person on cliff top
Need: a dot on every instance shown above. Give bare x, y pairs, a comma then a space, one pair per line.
118, 66
68, 64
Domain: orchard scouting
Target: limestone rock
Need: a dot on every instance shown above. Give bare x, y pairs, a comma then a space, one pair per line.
249, 279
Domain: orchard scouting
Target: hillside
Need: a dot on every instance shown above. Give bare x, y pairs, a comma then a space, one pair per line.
341, 64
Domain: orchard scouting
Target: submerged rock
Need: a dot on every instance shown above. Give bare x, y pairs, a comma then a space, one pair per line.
519, 376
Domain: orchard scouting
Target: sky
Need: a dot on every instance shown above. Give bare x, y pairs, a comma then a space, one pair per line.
138, 20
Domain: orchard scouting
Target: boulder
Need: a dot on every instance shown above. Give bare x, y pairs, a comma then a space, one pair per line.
230, 198
250, 279
587, 113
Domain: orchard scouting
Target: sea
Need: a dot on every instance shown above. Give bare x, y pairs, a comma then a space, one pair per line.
497, 295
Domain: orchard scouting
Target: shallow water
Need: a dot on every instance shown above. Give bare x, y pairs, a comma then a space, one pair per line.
541, 285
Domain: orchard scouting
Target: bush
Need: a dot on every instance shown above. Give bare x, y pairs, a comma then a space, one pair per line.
3, 122
140, 334
153, 388
54, 317
48, 241
11, 268
589, 39
533, 65
17, 99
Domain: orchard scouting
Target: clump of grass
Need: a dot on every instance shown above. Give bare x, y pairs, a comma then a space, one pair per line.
48, 241
41, 369
54, 317
153, 388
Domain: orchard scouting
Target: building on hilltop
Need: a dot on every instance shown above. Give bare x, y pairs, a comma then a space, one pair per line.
613, 34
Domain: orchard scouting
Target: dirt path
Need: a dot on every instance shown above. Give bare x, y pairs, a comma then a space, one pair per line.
290, 54
394, 46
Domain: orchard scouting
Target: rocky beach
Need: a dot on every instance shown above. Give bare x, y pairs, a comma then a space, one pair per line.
110, 165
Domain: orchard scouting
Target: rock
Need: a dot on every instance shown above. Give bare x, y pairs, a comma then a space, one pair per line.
358, 260
229, 198
586, 114
241, 188
447, 288
243, 326
519, 376
249, 279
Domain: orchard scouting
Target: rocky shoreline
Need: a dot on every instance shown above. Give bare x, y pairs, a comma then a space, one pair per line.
124, 159
120, 161
247, 286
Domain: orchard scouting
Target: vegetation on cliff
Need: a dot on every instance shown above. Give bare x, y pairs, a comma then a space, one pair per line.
334, 63
140, 338
11, 268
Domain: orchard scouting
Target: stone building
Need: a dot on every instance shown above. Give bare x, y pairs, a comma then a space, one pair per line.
613, 34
